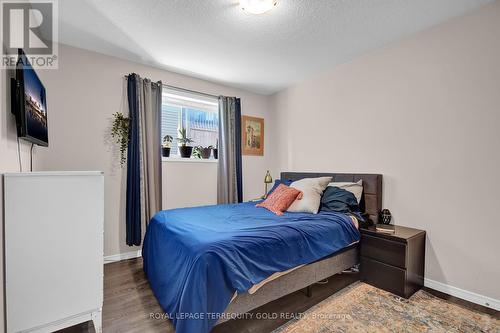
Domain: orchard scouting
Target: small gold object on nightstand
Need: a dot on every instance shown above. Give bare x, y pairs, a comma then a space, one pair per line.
267, 180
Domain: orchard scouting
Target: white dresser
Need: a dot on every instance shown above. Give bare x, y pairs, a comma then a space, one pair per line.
53, 250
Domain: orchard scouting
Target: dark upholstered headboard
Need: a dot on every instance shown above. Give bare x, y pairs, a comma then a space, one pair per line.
371, 201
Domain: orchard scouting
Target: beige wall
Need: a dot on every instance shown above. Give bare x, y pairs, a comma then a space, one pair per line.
425, 112
83, 94
9, 161
189, 184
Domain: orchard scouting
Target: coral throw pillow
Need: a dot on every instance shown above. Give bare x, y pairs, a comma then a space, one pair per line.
281, 198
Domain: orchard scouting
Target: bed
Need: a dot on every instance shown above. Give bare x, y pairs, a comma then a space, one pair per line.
201, 262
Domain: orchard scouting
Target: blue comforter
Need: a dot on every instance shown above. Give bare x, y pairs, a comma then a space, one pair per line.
196, 258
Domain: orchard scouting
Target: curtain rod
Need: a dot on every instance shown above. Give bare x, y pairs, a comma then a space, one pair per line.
188, 90
185, 90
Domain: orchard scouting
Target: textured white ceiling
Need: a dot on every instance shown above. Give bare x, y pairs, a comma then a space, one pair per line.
216, 40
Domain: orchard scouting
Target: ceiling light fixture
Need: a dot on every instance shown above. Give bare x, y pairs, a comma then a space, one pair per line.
257, 6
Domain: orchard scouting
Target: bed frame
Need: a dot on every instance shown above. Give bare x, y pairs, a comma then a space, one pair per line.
371, 204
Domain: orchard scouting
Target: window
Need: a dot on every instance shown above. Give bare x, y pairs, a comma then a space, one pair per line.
199, 114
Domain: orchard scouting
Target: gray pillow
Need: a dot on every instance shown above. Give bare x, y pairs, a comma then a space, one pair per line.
312, 190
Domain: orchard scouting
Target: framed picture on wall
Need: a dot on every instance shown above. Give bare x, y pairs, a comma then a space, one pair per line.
252, 136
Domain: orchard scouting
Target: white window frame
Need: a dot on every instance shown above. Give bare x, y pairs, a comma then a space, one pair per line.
193, 100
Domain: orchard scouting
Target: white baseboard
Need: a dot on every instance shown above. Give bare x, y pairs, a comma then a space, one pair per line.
463, 294
122, 256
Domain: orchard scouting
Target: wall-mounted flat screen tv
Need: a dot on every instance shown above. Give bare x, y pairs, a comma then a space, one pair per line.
29, 103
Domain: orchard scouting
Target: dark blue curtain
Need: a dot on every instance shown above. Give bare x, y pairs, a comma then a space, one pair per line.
133, 204
239, 169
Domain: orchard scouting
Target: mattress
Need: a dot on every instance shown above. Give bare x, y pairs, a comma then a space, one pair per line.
277, 275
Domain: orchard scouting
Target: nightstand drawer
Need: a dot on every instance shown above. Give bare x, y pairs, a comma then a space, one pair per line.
384, 250
383, 276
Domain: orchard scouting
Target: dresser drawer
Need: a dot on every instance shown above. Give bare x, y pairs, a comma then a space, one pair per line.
384, 250
383, 276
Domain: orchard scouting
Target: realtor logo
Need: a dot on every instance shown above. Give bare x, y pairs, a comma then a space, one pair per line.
31, 26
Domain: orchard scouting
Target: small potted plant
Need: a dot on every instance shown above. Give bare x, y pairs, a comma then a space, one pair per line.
166, 145
197, 152
216, 149
119, 132
183, 141
206, 152
203, 152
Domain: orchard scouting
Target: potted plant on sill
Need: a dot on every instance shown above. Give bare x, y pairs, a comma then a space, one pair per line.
216, 149
197, 152
166, 145
202, 152
183, 140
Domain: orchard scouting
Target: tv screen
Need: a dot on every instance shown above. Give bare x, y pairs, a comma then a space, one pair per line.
31, 103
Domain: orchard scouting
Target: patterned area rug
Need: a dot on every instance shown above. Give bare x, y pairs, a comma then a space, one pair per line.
363, 308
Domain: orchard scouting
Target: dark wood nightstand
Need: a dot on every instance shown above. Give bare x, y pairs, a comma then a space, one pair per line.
393, 262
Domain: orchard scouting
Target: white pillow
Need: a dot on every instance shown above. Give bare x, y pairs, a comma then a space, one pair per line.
354, 188
312, 190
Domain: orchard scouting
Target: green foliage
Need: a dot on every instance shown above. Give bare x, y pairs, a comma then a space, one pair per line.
183, 139
197, 152
119, 132
167, 141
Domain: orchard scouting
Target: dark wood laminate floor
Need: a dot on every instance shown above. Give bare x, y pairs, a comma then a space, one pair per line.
129, 304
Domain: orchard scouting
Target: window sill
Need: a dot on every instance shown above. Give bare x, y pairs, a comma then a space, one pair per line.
187, 160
